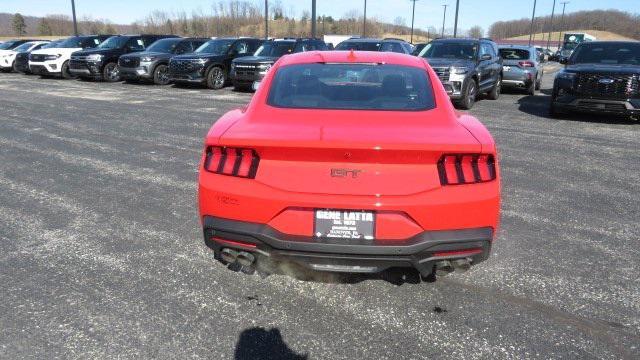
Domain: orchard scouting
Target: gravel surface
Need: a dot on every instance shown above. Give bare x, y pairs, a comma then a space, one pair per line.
101, 251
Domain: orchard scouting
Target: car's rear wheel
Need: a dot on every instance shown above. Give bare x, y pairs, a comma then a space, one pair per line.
161, 75
494, 94
469, 97
531, 90
111, 72
64, 71
216, 78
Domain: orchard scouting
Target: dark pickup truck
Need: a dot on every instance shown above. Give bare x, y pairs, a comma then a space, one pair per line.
599, 77
153, 63
249, 69
101, 63
210, 63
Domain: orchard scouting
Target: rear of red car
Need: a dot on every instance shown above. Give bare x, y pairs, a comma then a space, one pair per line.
350, 162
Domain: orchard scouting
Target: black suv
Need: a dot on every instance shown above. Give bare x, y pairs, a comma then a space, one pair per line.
249, 69
153, 63
466, 68
600, 77
366, 44
210, 63
101, 63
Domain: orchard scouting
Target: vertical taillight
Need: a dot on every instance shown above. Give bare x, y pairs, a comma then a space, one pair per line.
231, 161
466, 169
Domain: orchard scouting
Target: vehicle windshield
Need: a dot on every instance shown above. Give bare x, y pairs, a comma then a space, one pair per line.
514, 54
351, 87
359, 45
607, 53
275, 48
450, 50
72, 42
23, 47
164, 45
216, 47
52, 44
7, 45
114, 42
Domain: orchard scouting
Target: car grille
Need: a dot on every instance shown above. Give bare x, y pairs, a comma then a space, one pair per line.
78, 58
129, 62
37, 57
443, 73
618, 86
184, 66
246, 69
602, 106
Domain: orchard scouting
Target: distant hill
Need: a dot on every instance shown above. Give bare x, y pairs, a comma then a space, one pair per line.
624, 24
599, 34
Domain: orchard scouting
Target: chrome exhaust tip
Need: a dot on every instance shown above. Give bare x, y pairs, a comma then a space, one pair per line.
462, 265
245, 259
444, 267
228, 255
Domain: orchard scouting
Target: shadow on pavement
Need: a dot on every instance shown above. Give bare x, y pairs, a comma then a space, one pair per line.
539, 106
258, 343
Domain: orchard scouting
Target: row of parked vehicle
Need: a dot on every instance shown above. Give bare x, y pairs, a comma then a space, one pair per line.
466, 67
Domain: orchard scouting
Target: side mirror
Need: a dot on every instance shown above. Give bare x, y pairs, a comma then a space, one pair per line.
485, 57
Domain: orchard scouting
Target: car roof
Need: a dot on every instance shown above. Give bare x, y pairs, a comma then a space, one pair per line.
347, 57
460, 40
522, 47
610, 42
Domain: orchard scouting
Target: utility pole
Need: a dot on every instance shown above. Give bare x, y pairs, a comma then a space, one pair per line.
75, 23
564, 5
313, 18
455, 24
413, 16
551, 25
444, 18
364, 22
533, 16
266, 19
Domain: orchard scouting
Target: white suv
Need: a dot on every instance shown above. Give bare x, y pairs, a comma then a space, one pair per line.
55, 60
8, 57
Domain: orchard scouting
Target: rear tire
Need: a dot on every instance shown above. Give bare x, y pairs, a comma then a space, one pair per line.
64, 71
539, 82
161, 75
531, 90
494, 94
469, 97
216, 78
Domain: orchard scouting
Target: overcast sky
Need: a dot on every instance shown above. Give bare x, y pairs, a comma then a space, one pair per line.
428, 12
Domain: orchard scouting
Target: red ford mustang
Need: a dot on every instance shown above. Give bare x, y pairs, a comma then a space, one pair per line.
350, 162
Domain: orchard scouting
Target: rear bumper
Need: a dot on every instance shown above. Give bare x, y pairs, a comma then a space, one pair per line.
342, 255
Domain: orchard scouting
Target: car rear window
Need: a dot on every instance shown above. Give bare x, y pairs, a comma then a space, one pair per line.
351, 87
359, 45
514, 54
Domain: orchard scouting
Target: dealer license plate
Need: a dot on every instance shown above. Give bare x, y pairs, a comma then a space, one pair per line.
344, 224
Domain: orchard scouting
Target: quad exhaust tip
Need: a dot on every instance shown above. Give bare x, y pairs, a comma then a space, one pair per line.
229, 255
245, 259
445, 267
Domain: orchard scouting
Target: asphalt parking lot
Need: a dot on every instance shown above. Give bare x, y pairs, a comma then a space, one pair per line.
101, 251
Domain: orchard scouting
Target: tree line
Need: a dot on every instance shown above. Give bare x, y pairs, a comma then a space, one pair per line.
616, 21
224, 18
